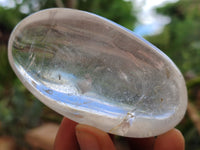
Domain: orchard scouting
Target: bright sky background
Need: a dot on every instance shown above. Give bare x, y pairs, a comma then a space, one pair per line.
149, 22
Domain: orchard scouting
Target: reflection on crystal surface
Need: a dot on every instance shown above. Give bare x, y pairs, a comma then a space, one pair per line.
89, 69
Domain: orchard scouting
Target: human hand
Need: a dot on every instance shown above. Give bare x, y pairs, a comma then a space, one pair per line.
73, 136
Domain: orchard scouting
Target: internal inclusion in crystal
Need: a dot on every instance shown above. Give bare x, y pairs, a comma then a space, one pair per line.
78, 65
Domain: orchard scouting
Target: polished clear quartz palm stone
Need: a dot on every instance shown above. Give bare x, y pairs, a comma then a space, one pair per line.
96, 72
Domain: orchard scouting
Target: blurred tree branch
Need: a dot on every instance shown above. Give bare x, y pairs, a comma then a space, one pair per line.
59, 3
193, 114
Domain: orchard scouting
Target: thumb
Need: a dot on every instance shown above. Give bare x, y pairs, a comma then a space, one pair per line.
90, 138
172, 140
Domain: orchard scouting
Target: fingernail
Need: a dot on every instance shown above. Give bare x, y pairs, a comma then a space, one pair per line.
86, 140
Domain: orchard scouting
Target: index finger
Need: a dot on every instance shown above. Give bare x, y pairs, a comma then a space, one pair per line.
66, 137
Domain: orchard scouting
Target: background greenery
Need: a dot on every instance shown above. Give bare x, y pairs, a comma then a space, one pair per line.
180, 40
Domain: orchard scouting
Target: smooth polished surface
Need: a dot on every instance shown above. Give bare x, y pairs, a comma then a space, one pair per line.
96, 72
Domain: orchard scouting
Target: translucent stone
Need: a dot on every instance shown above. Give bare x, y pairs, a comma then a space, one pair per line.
96, 72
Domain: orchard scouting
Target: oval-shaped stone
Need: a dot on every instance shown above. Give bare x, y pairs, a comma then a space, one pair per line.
96, 72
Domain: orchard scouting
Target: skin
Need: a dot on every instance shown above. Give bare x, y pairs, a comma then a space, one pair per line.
73, 136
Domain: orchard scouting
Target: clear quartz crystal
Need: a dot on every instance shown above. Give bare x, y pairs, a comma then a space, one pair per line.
96, 72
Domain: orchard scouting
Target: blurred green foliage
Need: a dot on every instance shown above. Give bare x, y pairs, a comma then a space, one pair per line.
19, 109
180, 38
119, 11
9, 18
